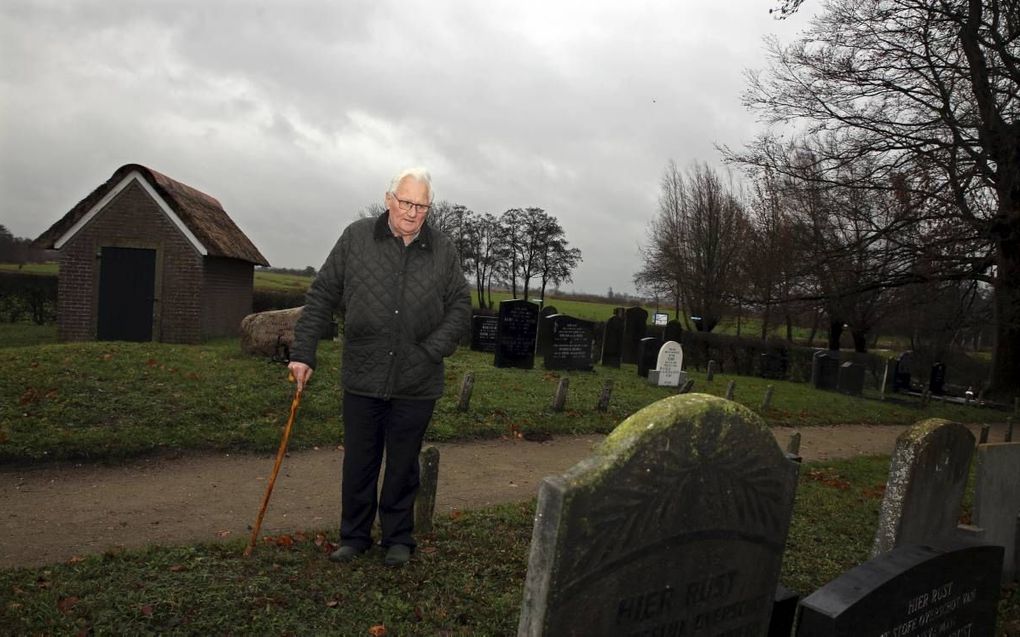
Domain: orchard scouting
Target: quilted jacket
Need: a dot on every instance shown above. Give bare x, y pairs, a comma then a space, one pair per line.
404, 309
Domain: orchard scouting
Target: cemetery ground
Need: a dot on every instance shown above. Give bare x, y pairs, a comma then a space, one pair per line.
115, 403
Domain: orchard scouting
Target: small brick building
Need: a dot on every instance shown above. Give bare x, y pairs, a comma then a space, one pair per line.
144, 257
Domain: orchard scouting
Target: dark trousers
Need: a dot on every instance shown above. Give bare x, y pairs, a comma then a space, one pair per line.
370, 426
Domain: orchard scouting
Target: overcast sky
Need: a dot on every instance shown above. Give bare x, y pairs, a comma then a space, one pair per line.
295, 114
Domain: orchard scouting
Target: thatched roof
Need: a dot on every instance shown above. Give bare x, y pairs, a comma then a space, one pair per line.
201, 214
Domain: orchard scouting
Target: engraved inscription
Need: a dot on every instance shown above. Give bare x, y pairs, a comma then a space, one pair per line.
929, 614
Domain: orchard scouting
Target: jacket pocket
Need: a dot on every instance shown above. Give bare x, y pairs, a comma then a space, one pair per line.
418, 374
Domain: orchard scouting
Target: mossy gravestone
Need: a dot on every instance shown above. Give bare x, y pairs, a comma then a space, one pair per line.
924, 492
675, 526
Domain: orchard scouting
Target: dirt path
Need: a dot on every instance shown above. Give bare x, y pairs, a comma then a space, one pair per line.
52, 513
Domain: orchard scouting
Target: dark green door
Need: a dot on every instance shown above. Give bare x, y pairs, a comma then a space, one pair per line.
127, 285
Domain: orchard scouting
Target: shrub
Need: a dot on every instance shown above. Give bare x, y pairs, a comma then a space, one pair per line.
30, 297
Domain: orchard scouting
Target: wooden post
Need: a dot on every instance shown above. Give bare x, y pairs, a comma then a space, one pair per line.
710, 375
560, 397
729, 389
607, 391
984, 434
766, 402
466, 387
1009, 430
793, 447
687, 387
425, 502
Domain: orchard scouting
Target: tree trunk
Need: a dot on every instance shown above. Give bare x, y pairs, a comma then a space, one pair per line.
835, 331
789, 328
766, 316
1005, 374
814, 330
860, 340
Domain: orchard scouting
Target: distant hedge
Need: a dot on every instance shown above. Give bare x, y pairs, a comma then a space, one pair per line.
28, 297
265, 300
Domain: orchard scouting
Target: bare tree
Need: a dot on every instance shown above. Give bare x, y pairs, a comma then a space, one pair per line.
930, 92
694, 242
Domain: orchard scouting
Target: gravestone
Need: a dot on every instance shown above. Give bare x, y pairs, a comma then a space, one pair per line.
997, 499
648, 354
570, 343
924, 491
850, 379
612, 342
675, 526
483, 332
673, 332
901, 380
937, 380
515, 334
947, 590
889, 377
544, 337
774, 364
824, 369
635, 322
669, 364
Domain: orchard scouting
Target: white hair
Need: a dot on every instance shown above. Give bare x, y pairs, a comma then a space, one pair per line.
417, 173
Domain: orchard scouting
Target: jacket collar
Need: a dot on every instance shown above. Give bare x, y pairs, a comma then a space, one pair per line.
382, 232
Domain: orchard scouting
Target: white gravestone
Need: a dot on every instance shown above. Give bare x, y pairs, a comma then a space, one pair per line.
669, 365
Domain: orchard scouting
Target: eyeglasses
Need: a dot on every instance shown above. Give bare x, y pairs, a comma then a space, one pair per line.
420, 208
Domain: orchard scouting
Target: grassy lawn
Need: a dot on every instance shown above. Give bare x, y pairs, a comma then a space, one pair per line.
110, 400
466, 579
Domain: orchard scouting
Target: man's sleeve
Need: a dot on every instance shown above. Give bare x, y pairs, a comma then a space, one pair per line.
444, 339
321, 300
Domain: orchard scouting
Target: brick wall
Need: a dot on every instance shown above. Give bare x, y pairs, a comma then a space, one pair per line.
226, 295
132, 220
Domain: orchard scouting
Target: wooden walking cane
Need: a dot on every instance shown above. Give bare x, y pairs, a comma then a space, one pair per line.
276, 469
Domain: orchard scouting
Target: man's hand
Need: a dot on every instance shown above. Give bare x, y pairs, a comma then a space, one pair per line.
300, 372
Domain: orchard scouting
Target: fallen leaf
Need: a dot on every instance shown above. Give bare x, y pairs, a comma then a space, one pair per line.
300, 537
377, 631
177, 568
76, 559
223, 533
456, 513
65, 604
146, 610
333, 603
107, 356
284, 540
151, 362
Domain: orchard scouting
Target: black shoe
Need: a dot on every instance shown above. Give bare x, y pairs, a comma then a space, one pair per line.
397, 555
346, 553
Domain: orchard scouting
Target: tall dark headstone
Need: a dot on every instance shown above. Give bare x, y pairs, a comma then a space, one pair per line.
937, 380
673, 332
901, 380
825, 369
544, 330
774, 364
612, 341
483, 332
515, 334
850, 379
648, 355
675, 526
635, 322
924, 492
570, 343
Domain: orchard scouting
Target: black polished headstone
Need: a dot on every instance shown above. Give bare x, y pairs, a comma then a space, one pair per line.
943, 590
515, 334
635, 322
850, 379
612, 341
937, 381
901, 380
483, 332
825, 369
774, 364
544, 330
673, 332
570, 343
648, 355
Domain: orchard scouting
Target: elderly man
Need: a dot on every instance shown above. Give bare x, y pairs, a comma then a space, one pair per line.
399, 285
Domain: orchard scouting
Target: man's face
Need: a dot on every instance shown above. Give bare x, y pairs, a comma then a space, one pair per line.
414, 195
